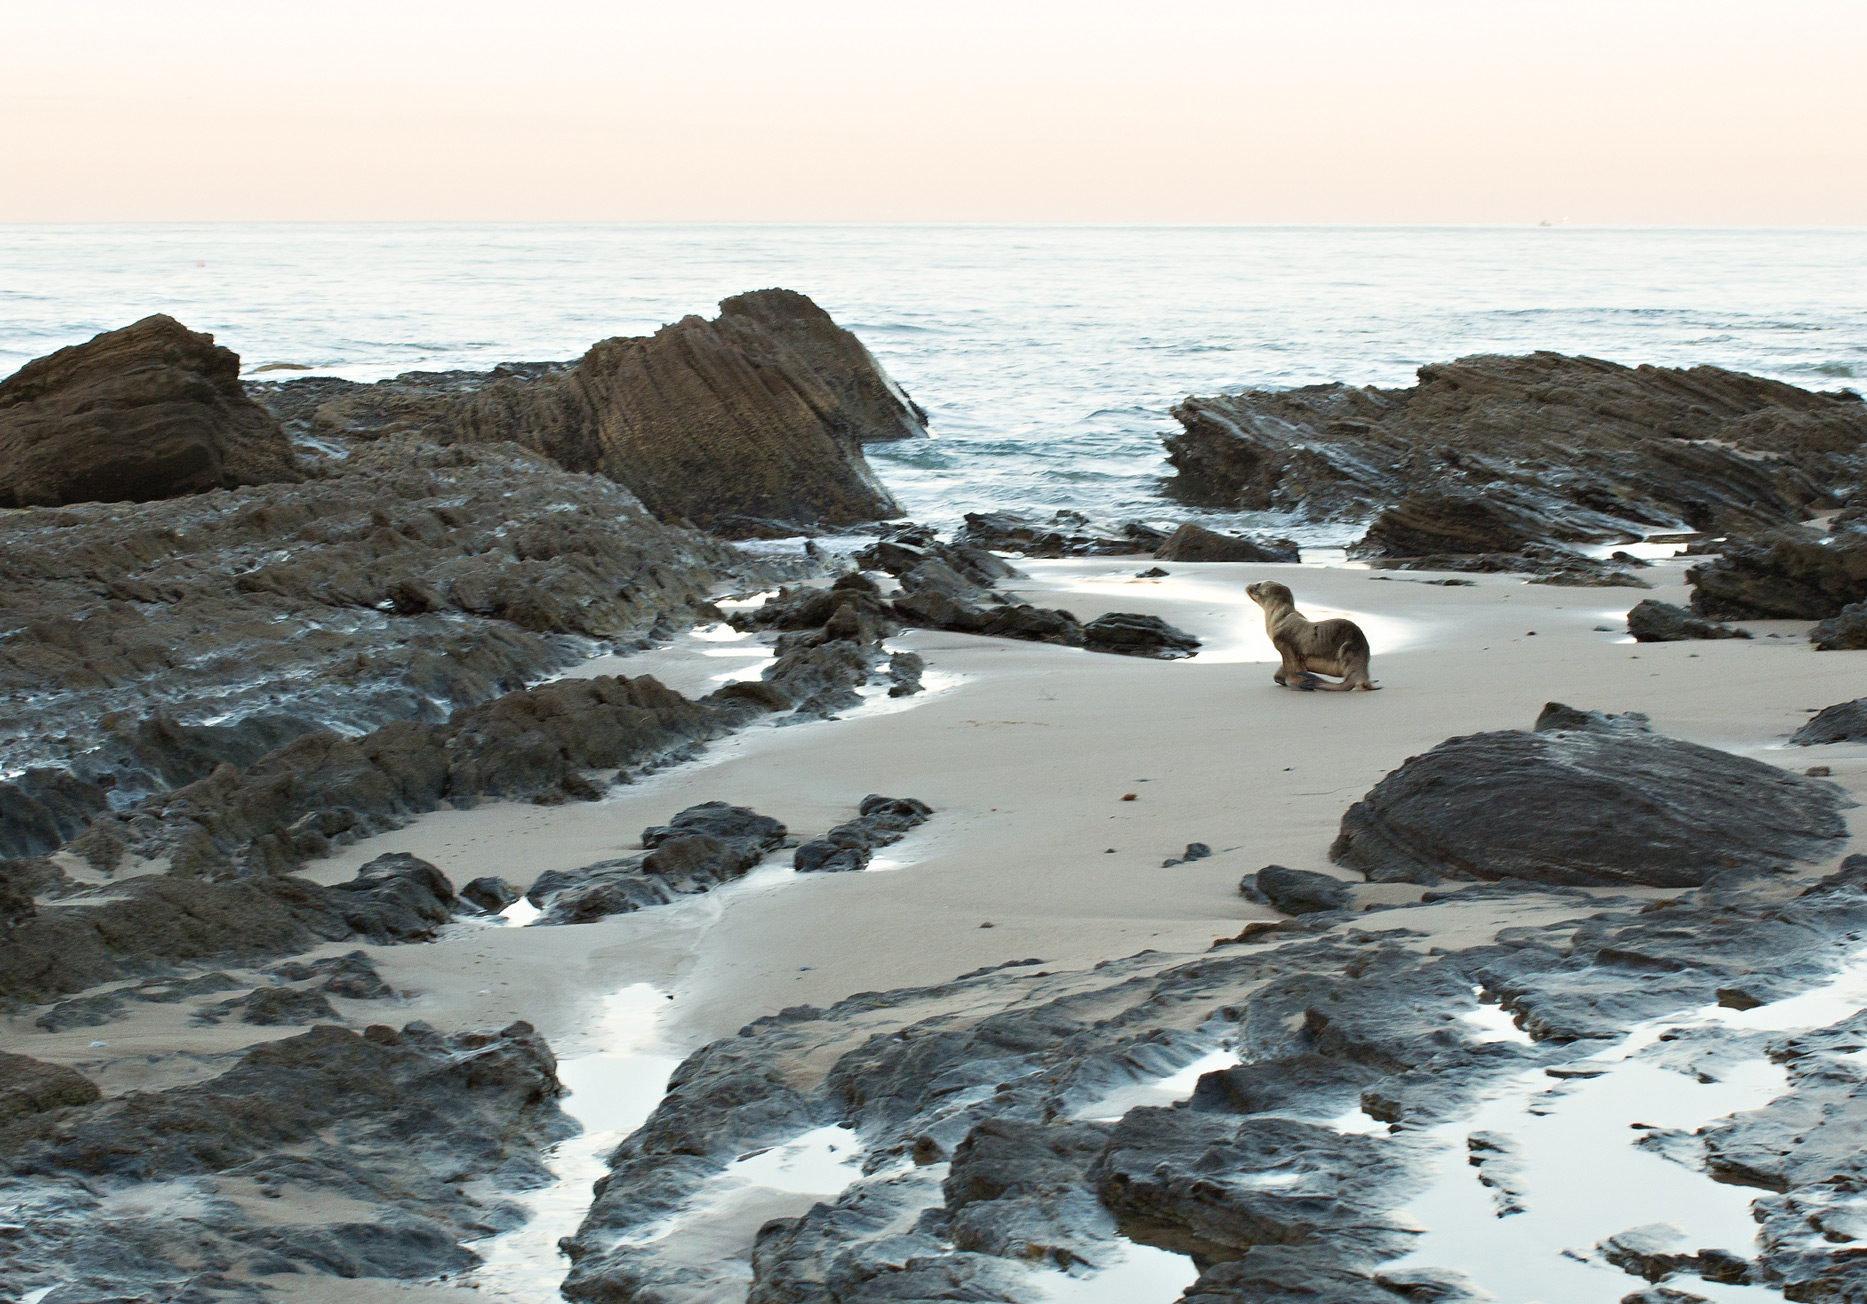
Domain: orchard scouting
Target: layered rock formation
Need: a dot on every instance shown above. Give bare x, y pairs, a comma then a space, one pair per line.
1568, 449
759, 413
1794, 573
151, 411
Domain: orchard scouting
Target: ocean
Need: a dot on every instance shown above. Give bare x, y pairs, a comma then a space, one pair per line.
1048, 357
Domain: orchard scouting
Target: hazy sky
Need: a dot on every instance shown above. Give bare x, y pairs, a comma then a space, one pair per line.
1670, 111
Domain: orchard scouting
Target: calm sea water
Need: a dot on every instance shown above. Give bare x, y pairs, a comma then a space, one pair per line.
1047, 356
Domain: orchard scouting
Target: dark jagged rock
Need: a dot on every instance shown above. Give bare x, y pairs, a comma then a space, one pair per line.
396, 897
402, 1127
1798, 574
1451, 522
699, 849
1296, 891
1196, 543
85, 1012
150, 411
1540, 563
273, 1006
1663, 622
1846, 631
1129, 634
904, 548
759, 413
30, 1086
350, 975
1844, 722
1590, 448
404, 582
904, 673
880, 822
1065, 534
1585, 801
322, 791
490, 893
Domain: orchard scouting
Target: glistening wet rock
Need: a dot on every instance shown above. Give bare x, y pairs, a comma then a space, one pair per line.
1588, 801
151, 411
490, 893
1065, 534
1843, 722
699, 849
880, 822
1662, 622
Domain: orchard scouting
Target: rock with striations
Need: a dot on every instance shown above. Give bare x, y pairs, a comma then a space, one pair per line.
1791, 574
1664, 622
153, 410
1196, 543
1457, 522
1844, 632
1587, 800
1065, 534
759, 413
1844, 722
1129, 633
1594, 449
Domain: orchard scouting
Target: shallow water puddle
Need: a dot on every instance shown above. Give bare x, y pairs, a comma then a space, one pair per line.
1574, 1168
612, 1091
1143, 1275
1157, 1093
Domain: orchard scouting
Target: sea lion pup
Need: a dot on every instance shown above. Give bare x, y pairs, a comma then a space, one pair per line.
1311, 648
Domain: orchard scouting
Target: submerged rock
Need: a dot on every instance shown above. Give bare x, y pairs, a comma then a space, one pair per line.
1196, 543
150, 411
1844, 722
1662, 622
1585, 800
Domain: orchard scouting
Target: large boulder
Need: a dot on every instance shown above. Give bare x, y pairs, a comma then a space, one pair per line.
151, 411
758, 413
1458, 522
1844, 632
1591, 447
1586, 800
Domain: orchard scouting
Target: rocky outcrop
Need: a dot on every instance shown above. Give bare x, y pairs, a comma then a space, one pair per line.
1586, 799
324, 791
1844, 632
1663, 622
698, 850
880, 822
1787, 574
416, 1139
1065, 534
406, 581
1844, 722
155, 925
1587, 450
1011, 1077
1196, 543
759, 413
151, 411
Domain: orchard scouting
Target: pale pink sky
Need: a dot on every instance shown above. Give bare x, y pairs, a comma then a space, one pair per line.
1637, 111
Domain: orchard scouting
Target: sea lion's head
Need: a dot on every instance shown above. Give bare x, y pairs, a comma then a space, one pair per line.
1269, 593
